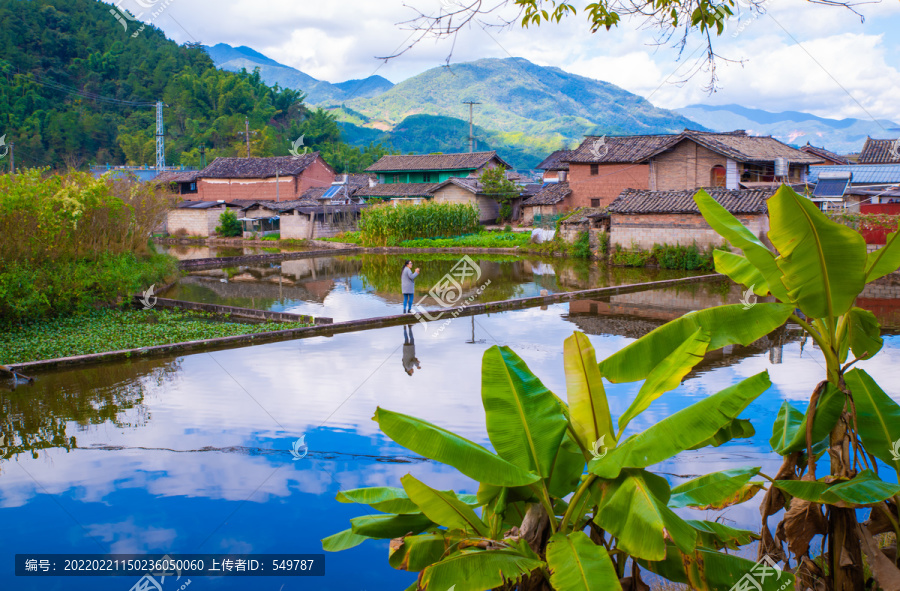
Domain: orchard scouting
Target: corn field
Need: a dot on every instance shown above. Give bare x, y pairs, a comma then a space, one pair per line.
74, 216
388, 225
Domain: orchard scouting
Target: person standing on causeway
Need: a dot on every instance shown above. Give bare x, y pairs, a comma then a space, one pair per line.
408, 285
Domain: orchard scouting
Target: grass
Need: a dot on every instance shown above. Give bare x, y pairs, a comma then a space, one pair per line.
111, 330
495, 239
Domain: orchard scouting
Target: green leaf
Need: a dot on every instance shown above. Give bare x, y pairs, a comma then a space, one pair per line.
588, 406
634, 510
418, 552
863, 489
705, 570
884, 260
877, 416
740, 270
449, 448
789, 431
865, 333
389, 499
389, 526
736, 429
568, 466
730, 228
342, 541
716, 536
578, 564
443, 508
525, 421
682, 430
822, 262
727, 325
667, 375
712, 490
477, 570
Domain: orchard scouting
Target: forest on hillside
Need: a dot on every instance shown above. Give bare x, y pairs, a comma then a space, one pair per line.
76, 88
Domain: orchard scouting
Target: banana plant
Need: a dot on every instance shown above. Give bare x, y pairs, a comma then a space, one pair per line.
818, 268
566, 499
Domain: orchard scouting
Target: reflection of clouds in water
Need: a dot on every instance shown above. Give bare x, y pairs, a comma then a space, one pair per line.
125, 537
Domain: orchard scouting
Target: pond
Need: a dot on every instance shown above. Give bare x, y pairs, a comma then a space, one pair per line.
185, 252
368, 285
192, 454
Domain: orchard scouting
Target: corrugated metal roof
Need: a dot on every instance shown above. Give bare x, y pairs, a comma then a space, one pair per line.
861, 173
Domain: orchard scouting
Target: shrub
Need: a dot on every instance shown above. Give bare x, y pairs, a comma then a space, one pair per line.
582, 246
507, 228
634, 257
388, 225
505, 213
230, 226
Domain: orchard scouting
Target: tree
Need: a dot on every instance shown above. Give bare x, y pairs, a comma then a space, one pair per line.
496, 185
230, 226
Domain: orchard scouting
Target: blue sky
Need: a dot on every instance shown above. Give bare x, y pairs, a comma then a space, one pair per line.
797, 56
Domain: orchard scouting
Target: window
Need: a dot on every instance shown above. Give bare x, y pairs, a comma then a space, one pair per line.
191, 188
595, 203
396, 178
595, 169
717, 176
426, 177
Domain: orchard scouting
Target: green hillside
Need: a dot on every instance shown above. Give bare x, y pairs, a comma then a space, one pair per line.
73, 80
536, 107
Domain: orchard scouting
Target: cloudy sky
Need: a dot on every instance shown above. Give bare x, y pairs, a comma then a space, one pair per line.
797, 56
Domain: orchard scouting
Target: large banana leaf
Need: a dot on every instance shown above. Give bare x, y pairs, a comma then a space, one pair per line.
389, 499
443, 508
736, 429
568, 466
863, 489
634, 510
884, 260
705, 570
822, 262
740, 270
418, 552
682, 430
730, 228
389, 526
588, 406
667, 375
714, 489
877, 416
525, 421
342, 541
727, 325
864, 334
477, 570
578, 564
449, 448
789, 431
715, 536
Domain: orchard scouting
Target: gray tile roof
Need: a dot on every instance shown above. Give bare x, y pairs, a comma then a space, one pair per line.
206, 204
176, 176
880, 152
396, 190
258, 168
739, 201
462, 161
824, 154
555, 161
619, 149
551, 194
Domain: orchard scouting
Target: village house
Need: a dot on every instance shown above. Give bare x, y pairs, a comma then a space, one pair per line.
880, 152
642, 218
555, 167
397, 192
279, 178
433, 168
544, 207
198, 218
309, 222
179, 182
847, 186
602, 167
827, 156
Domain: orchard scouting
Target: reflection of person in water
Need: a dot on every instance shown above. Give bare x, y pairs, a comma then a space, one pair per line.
409, 351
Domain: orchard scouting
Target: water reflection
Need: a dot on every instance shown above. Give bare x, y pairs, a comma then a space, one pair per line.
185, 252
410, 361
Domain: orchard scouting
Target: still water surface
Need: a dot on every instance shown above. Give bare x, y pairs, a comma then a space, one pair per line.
191, 454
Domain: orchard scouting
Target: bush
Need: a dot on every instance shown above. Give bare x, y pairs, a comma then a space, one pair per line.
507, 228
388, 225
634, 257
505, 213
582, 246
230, 226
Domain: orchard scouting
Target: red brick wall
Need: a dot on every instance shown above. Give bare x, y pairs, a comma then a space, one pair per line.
317, 174
610, 180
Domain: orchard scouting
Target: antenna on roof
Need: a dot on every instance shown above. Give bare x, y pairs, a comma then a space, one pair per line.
471, 128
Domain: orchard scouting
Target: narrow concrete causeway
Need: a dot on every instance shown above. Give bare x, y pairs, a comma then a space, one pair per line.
324, 327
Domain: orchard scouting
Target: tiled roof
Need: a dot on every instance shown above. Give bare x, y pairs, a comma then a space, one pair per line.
880, 152
824, 154
258, 168
861, 173
471, 185
735, 201
532, 189
397, 190
464, 161
586, 214
555, 161
176, 176
736, 145
205, 204
551, 194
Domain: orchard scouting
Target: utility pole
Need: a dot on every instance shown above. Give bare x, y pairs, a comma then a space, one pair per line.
471, 127
160, 139
202, 156
247, 134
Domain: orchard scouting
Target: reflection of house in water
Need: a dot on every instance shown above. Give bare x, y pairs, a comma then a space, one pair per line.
882, 298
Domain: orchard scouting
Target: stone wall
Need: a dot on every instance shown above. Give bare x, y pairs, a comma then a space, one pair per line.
607, 184
645, 230
451, 193
195, 222
687, 166
296, 226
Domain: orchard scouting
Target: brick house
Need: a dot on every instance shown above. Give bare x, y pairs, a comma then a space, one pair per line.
279, 178
880, 152
602, 167
433, 168
180, 182
555, 166
547, 204
198, 218
643, 218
